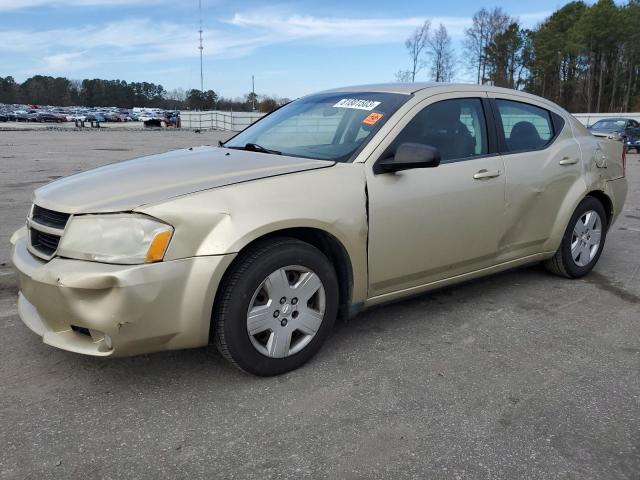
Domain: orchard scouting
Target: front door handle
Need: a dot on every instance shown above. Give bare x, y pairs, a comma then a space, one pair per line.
568, 161
484, 173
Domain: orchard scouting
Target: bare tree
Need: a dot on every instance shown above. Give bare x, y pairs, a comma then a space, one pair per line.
415, 45
486, 25
442, 59
76, 84
475, 41
177, 94
403, 76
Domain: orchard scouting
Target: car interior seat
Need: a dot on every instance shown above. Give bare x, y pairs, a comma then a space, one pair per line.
444, 130
524, 136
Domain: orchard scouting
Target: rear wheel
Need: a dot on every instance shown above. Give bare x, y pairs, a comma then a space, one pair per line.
276, 307
582, 242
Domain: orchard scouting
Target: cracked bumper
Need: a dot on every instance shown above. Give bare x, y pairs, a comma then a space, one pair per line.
117, 310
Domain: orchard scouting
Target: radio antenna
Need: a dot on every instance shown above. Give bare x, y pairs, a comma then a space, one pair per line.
200, 47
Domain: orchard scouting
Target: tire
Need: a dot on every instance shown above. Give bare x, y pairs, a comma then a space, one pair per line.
289, 264
564, 262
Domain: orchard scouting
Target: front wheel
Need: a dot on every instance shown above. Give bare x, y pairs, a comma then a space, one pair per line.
582, 242
276, 307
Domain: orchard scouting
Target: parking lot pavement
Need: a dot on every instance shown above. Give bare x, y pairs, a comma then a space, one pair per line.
519, 375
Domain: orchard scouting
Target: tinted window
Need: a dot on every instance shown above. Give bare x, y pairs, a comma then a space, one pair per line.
608, 125
457, 128
526, 127
325, 126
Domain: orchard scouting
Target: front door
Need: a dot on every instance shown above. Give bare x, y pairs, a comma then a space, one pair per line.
435, 223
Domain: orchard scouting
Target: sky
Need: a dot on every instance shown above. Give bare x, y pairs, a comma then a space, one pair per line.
292, 47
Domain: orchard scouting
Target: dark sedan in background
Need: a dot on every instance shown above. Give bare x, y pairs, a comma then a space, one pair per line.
625, 129
44, 117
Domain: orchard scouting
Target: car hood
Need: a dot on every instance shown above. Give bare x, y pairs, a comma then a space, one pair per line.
604, 133
127, 185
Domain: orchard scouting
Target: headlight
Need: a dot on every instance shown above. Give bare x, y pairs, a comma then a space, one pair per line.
115, 238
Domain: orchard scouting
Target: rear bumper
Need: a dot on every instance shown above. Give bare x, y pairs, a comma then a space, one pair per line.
617, 190
117, 310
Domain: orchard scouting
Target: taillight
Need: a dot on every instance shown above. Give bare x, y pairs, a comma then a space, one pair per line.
624, 160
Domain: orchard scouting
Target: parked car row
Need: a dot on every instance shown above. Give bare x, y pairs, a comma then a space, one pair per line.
42, 114
29, 116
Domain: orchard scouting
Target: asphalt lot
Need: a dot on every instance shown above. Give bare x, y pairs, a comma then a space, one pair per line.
520, 375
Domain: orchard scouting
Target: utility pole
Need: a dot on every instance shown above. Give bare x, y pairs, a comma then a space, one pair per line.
253, 93
200, 47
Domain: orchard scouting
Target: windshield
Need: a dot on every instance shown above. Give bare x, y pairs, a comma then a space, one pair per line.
609, 125
330, 126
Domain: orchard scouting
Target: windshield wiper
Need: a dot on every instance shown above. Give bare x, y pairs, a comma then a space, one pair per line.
259, 148
254, 147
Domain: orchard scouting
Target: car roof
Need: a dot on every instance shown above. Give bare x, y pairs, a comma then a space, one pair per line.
412, 88
398, 87
615, 119
409, 88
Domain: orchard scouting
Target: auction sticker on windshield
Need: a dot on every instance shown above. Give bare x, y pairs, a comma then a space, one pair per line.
357, 104
373, 118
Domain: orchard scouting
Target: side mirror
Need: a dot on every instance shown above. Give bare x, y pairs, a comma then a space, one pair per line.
408, 156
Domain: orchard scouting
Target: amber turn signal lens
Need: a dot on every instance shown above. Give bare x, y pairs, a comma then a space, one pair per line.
158, 247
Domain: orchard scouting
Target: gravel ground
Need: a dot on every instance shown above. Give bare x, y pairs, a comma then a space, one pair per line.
519, 375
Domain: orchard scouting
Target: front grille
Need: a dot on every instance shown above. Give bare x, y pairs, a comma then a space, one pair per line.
45, 231
45, 243
49, 218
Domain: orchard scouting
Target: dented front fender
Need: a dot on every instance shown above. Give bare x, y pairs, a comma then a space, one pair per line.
227, 219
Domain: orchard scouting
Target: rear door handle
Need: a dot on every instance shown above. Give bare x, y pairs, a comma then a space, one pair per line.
568, 161
484, 173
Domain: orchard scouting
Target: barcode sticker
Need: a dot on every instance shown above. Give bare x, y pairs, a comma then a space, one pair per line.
357, 104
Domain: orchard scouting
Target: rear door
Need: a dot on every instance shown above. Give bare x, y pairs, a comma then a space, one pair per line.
542, 163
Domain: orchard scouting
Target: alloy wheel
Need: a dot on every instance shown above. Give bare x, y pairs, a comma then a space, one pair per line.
585, 239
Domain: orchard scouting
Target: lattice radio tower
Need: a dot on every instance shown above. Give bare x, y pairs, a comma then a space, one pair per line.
200, 47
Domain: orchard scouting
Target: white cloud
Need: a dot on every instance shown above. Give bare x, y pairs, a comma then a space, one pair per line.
63, 62
282, 27
338, 30
306, 25
22, 4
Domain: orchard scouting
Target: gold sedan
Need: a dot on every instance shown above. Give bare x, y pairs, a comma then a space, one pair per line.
334, 203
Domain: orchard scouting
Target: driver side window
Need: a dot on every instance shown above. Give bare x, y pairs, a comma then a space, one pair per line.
456, 127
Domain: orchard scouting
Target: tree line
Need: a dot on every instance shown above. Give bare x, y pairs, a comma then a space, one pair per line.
584, 57
60, 91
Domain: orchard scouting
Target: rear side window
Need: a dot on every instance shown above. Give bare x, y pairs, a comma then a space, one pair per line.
526, 127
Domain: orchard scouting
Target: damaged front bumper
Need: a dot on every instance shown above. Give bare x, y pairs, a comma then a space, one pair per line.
115, 310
